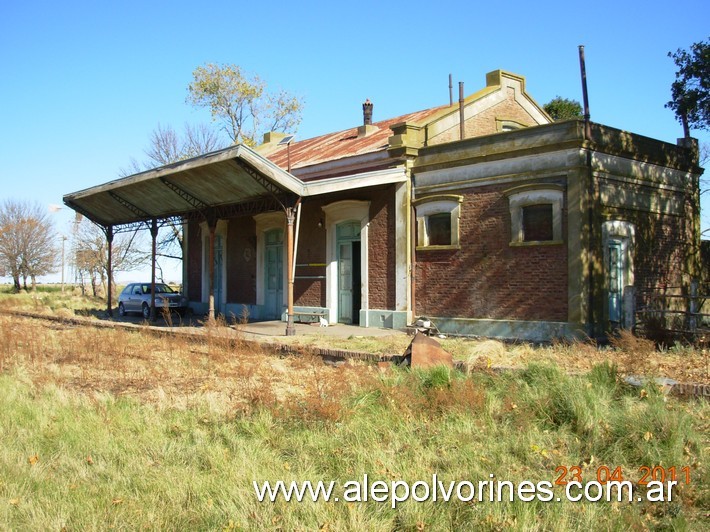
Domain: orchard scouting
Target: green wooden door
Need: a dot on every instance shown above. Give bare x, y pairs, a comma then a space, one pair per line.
273, 263
615, 274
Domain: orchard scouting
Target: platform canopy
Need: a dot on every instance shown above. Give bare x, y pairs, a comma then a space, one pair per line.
218, 184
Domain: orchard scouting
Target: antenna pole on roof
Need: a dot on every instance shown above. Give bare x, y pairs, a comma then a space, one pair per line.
287, 140
451, 92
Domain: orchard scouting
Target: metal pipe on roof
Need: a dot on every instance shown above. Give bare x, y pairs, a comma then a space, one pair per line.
585, 96
462, 131
451, 92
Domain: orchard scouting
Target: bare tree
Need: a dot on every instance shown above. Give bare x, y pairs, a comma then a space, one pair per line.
167, 146
91, 255
28, 242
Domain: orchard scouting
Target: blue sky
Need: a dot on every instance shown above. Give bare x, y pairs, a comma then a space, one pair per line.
84, 83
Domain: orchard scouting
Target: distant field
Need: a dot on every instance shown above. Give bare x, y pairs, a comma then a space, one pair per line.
121, 429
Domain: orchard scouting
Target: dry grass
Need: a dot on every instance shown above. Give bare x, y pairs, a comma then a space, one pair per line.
126, 429
167, 370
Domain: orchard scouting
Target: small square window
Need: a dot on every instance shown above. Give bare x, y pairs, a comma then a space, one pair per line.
537, 223
439, 229
535, 215
438, 221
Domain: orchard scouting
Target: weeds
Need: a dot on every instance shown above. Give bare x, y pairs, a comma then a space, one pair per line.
114, 428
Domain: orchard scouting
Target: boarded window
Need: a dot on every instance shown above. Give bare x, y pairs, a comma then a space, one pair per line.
537, 223
439, 229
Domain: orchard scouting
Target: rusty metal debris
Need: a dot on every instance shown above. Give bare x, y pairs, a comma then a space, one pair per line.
425, 352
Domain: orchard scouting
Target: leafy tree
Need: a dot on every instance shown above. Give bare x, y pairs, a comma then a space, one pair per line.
560, 108
690, 91
28, 243
241, 103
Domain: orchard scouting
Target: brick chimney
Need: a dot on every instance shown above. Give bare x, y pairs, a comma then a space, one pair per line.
367, 113
366, 128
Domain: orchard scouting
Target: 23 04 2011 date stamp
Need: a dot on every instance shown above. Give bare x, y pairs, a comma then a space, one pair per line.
603, 474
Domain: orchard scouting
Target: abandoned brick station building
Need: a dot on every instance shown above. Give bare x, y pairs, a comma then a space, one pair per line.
487, 217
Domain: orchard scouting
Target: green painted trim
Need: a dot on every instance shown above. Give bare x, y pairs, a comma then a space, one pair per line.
384, 319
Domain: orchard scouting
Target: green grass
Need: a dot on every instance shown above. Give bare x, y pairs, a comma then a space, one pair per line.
107, 462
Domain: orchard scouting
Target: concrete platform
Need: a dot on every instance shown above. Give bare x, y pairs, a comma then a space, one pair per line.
267, 330
340, 330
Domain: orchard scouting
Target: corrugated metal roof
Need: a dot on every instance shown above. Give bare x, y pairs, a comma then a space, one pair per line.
341, 144
225, 177
216, 179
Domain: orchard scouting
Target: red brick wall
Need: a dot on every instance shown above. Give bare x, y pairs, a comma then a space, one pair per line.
311, 250
484, 123
662, 243
488, 278
241, 261
382, 252
241, 274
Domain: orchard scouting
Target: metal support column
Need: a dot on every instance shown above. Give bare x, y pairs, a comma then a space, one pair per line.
109, 270
212, 224
153, 250
290, 218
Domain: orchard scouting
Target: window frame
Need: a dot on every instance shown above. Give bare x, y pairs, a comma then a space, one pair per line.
529, 195
433, 205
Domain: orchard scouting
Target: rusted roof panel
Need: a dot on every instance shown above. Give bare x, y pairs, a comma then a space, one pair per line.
341, 144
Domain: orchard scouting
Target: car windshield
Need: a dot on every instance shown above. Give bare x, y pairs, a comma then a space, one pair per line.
159, 289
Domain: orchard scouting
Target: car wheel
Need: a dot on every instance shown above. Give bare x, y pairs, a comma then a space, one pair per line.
121, 310
146, 311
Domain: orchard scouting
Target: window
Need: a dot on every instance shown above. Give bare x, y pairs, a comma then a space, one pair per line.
508, 125
439, 229
535, 214
438, 221
537, 222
